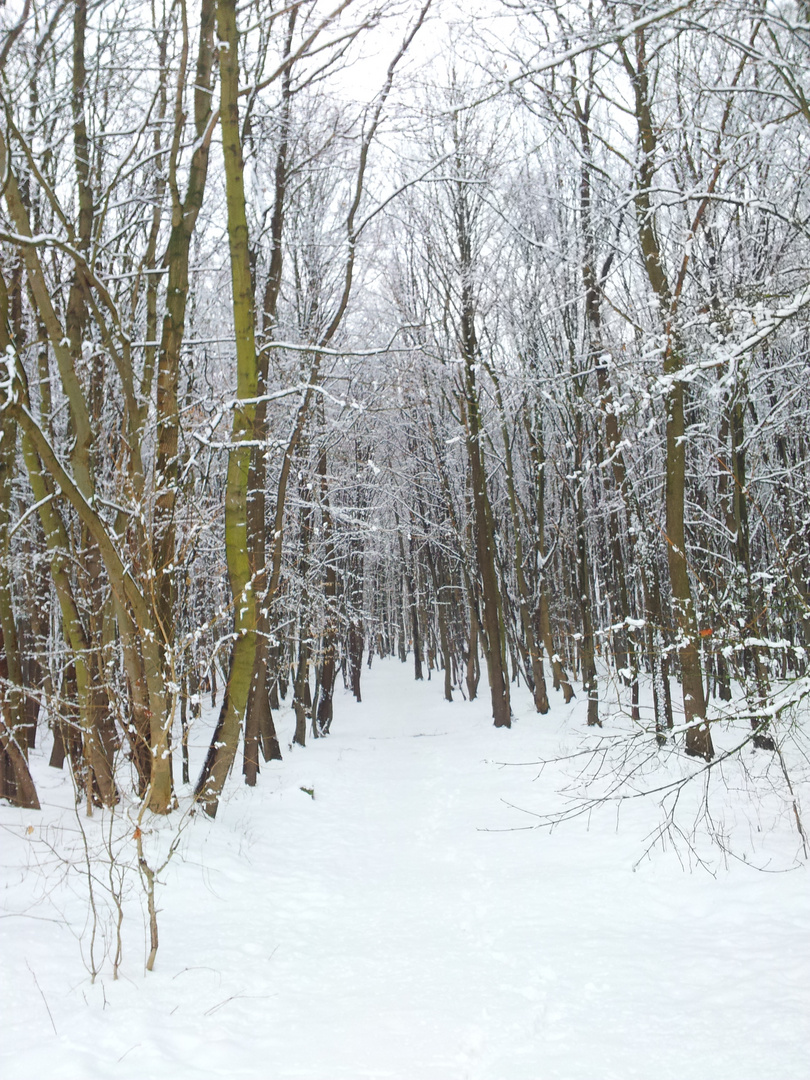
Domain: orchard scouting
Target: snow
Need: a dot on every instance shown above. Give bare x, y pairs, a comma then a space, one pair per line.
402, 921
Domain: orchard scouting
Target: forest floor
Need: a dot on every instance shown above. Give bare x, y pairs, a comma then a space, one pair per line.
384, 905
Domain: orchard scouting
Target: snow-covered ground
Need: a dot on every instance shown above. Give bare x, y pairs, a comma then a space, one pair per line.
403, 922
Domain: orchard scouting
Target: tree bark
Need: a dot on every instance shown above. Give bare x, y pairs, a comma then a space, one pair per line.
222, 750
698, 735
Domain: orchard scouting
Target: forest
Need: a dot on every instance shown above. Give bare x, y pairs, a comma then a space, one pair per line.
474, 336
404, 538
495, 356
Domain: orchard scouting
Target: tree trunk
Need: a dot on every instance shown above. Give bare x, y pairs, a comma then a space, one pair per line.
698, 735
323, 717
534, 431
528, 642
583, 585
223, 747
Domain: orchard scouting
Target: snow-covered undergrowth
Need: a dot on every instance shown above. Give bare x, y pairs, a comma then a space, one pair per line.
384, 905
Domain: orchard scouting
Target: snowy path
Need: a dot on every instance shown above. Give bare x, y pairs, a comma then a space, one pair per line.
378, 930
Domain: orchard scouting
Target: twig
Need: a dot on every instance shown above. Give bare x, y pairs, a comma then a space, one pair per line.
36, 982
796, 813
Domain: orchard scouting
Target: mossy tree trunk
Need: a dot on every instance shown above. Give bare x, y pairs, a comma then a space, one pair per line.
222, 751
185, 211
